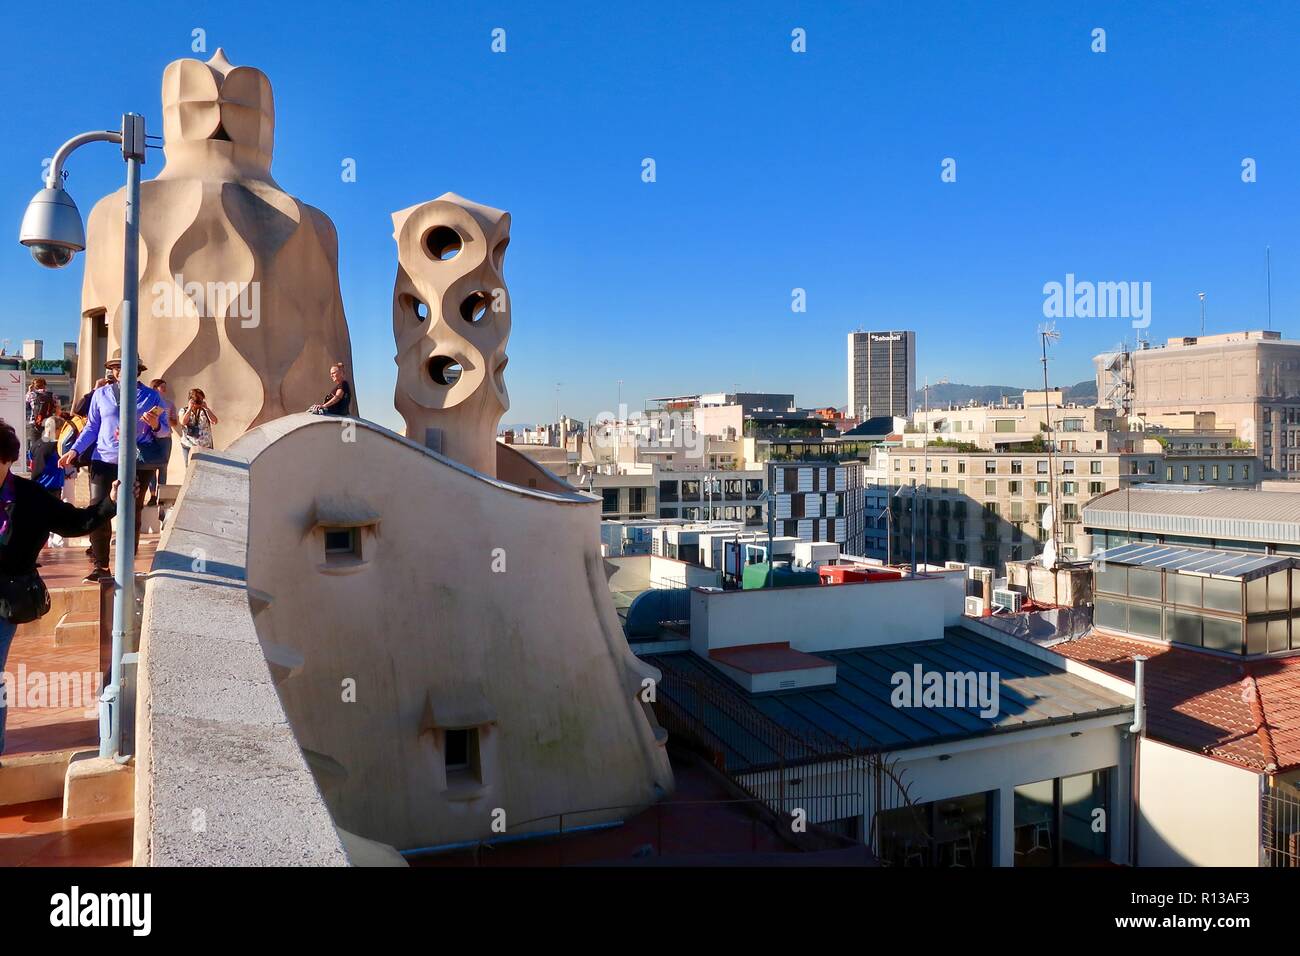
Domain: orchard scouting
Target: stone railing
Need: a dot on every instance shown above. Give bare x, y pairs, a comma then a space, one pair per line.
220, 778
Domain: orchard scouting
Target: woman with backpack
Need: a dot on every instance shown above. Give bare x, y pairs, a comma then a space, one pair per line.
28, 515
46, 424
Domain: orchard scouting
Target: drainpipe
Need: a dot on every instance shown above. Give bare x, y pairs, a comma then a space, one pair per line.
1139, 698
1136, 730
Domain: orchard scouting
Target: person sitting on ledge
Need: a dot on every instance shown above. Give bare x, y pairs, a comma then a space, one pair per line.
339, 399
28, 515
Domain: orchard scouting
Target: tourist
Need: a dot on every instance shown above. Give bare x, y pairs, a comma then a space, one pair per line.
28, 516
339, 399
164, 440
37, 393
196, 423
46, 470
101, 433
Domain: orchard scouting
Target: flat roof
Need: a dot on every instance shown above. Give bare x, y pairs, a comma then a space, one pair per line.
1208, 562
857, 710
1200, 511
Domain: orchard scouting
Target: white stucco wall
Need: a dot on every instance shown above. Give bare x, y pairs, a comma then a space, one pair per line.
425, 635
1195, 811
997, 764
829, 617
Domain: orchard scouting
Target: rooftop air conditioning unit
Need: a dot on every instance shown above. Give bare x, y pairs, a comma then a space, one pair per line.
982, 575
1007, 600
954, 566
974, 607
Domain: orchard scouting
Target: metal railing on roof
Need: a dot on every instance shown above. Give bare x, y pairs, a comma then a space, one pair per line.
1280, 825
788, 771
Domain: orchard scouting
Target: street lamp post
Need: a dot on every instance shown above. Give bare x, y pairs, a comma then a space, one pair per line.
53, 231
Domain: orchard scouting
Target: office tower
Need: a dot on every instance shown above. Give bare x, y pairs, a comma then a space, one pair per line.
882, 374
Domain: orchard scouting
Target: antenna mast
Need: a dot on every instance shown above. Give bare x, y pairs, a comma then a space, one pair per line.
1048, 333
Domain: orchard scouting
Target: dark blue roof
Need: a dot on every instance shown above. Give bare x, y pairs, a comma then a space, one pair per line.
880, 425
856, 712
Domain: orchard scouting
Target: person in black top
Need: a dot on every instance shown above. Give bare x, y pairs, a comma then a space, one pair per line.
339, 399
28, 514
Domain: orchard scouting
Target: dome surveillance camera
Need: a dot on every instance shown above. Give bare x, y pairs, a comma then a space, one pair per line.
52, 228
51, 255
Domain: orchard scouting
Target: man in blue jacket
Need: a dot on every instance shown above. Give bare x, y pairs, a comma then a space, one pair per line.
103, 421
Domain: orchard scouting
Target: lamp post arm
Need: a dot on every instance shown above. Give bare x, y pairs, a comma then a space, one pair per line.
55, 176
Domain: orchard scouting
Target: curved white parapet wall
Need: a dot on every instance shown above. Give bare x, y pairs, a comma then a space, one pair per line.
449, 609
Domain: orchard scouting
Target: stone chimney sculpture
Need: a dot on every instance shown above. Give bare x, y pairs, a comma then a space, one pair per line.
239, 280
451, 320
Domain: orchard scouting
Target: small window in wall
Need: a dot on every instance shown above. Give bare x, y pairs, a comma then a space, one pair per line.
460, 754
340, 541
343, 534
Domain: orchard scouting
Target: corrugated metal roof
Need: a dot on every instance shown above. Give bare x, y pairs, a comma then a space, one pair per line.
857, 709
1232, 513
1206, 561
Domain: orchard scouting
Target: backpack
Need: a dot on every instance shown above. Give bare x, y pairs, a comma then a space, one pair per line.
68, 436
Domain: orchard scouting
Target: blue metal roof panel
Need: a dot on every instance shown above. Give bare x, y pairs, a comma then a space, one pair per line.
857, 710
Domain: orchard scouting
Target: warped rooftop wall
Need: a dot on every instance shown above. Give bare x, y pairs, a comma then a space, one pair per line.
350, 640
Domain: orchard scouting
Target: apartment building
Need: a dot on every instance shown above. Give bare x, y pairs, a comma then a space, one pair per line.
1250, 380
989, 507
821, 501
647, 491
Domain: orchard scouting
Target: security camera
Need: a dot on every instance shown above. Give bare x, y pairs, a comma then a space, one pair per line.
52, 228
51, 255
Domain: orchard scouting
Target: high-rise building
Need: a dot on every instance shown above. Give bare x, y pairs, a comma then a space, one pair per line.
882, 374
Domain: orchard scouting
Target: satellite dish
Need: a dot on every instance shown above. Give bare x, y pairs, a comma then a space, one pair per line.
1048, 557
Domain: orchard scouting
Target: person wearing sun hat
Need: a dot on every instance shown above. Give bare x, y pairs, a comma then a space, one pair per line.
103, 422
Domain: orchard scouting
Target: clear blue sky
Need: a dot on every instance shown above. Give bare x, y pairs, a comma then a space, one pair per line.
775, 171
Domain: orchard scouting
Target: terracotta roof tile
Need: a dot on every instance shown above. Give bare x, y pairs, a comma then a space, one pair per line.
1244, 712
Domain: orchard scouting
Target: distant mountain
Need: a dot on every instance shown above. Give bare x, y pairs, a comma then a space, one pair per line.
1083, 393
951, 393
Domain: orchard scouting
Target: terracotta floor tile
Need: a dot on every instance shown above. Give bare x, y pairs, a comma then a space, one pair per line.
35, 834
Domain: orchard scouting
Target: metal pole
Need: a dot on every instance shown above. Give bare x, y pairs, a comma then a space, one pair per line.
925, 478
911, 511
771, 517
128, 417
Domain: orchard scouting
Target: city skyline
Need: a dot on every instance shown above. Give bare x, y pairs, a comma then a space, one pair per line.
688, 283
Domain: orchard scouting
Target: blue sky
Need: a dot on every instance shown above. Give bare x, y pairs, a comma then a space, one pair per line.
775, 171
